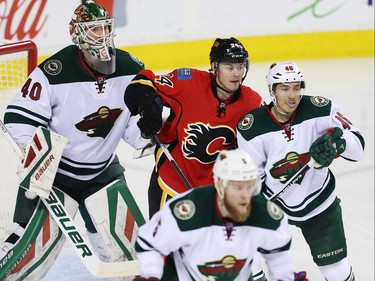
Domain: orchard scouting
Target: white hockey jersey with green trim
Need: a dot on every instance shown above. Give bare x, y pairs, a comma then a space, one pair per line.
64, 96
206, 246
280, 150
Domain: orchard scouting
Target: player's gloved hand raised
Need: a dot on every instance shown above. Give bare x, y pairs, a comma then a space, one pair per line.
138, 278
300, 276
323, 149
150, 111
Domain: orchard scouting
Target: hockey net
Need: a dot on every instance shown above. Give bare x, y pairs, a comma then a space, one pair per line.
17, 60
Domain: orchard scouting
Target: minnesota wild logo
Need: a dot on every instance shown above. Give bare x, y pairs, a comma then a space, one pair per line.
285, 168
226, 269
99, 123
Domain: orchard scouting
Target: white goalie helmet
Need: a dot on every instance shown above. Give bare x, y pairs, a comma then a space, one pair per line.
92, 30
284, 72
235, 165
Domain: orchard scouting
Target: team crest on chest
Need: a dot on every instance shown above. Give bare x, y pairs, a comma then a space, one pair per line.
226, 269
184, 209
319, 101
99, 123
285, 168
246, 122
203, 141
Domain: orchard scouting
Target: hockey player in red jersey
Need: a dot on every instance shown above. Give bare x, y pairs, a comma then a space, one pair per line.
204, 110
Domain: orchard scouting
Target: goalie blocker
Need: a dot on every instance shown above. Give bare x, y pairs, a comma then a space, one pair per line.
39, 166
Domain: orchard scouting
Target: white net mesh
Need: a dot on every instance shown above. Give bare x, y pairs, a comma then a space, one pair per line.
13, 71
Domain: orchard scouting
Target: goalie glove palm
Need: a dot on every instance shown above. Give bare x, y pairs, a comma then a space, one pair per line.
323, 149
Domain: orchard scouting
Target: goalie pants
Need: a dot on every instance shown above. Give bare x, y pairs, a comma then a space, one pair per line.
77, 189
325, 235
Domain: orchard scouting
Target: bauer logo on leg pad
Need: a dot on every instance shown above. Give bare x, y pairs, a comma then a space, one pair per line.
65, 221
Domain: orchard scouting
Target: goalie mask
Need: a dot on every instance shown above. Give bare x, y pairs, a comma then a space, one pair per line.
235, 165
91, 29
229, 50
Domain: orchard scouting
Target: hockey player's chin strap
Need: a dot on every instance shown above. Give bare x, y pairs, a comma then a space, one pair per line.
278, 110
273, 97
221, 108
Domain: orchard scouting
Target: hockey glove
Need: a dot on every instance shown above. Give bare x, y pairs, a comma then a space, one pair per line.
323, 149
138, 278
340, 146
150, 111
300, 276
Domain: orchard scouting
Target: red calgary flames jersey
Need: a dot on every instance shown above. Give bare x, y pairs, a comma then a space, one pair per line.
194, 131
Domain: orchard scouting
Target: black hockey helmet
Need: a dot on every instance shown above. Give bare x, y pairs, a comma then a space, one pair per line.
228, 50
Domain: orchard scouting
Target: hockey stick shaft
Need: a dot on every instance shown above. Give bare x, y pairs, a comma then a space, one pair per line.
11, 141
67, 225
293, 179
173, 162
299, 174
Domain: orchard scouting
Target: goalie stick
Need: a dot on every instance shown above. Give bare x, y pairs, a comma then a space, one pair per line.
57, 210
173, 162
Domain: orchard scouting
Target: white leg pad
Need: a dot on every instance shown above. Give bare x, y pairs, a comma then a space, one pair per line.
36, 250
103, 253
116, 221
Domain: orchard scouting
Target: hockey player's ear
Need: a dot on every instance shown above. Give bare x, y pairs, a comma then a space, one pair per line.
219, 184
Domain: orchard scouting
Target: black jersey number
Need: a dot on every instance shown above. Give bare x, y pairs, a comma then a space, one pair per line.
33, 92
164, 80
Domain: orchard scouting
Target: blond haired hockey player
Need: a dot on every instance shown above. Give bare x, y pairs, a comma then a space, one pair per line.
213, 232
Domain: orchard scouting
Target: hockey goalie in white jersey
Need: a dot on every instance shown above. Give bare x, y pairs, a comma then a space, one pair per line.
282, 138
77, 93
213, 232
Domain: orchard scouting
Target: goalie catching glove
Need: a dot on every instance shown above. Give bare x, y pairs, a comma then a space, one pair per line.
42, 156
327, 147
150, 111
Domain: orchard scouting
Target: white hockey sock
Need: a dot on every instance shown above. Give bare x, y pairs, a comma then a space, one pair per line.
339, 271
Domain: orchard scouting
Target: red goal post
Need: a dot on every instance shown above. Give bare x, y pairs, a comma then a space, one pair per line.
22, 46
17, 60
